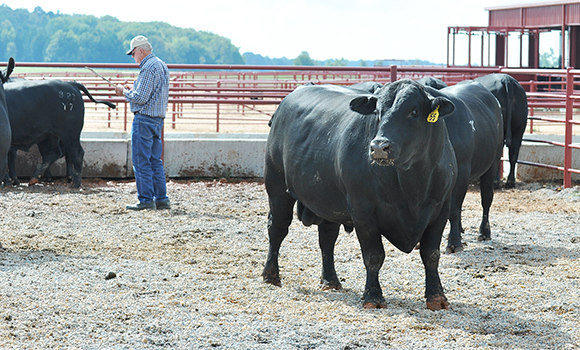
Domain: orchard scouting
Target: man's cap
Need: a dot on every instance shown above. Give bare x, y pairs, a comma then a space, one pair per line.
137, 41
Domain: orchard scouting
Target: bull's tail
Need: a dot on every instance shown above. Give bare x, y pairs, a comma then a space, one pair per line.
510, 93
84, 89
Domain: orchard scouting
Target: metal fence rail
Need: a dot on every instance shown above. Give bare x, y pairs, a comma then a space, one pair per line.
238, 98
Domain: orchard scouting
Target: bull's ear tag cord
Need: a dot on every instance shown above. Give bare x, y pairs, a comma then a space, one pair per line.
433, 116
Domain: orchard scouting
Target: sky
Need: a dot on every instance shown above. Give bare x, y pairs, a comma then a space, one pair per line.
326, 29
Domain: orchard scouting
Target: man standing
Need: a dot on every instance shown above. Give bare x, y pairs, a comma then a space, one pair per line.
148, 98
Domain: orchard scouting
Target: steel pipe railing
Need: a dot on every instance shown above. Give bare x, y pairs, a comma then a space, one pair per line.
250, 88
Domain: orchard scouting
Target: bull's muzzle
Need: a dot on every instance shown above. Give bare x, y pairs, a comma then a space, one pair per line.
381, 149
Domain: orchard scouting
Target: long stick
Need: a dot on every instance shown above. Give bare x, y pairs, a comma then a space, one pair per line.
105, 79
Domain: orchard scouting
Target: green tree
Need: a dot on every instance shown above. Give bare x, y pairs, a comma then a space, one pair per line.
550, 59
337, 63
63, 47
303, 60
44, 36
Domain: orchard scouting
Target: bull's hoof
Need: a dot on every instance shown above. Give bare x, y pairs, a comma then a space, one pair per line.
272, 278
510, 184
273, 281
483, 237
330, 285
33, 181
375, 305
438, 302
454, 249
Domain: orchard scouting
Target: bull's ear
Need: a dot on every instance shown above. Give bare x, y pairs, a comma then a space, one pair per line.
364, 104
5, 74
440, 108
10, 67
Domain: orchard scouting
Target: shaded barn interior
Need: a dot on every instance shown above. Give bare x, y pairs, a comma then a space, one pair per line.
514, 36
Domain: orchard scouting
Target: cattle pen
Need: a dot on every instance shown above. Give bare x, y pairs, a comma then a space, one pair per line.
79, 271
242, 99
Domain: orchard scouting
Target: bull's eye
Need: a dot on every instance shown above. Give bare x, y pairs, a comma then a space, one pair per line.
414, 113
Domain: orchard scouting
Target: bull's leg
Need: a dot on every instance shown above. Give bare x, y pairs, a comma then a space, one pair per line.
327, 235
279, 219
278, 222
12, 166
430, 253
50, 152
454, 244
4, 171
486, 191
373, 256
514, 151
74, 156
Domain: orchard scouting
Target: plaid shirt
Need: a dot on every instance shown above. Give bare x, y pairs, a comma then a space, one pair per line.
150, 91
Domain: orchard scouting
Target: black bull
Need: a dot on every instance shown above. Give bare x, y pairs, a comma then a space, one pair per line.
49, 113
5, 132
384, 166
386, 173
514, 107
476, 133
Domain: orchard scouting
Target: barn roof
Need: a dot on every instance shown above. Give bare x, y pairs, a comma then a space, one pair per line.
535, 15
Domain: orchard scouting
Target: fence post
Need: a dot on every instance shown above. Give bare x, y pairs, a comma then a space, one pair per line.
217, 116
533, 89
568, 133
393, 73
125, 118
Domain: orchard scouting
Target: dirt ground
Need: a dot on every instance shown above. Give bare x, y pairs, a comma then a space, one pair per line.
78, 271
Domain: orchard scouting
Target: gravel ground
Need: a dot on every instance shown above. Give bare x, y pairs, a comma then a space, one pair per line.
190, 277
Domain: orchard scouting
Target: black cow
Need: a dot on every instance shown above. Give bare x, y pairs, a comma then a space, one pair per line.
433, 82
379, 166
5, 132
514, 107
50, 150
476, 133
44, 112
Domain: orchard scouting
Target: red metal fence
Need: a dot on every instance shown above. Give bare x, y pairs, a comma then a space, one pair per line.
240, 98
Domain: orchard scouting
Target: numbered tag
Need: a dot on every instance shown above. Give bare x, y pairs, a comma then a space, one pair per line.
433, 116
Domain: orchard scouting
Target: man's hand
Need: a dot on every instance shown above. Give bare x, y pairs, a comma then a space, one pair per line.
121, 90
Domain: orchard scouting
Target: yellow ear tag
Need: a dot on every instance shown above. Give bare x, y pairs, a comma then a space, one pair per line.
433, 116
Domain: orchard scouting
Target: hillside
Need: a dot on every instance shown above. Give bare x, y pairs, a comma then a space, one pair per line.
41, 36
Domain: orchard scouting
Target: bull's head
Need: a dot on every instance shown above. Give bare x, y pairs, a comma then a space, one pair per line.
408, 116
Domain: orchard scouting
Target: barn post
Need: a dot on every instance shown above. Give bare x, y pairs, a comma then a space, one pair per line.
469, 47
448, 32
482, 46
500, 50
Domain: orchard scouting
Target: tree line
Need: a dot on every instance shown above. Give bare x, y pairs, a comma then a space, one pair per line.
40, 36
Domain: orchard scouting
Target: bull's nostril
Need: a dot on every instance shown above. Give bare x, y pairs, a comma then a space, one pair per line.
380, 149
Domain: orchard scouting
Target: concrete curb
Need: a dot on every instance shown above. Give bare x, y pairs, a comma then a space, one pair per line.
108, 155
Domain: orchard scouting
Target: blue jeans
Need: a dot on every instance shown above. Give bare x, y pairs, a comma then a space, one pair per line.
146, 150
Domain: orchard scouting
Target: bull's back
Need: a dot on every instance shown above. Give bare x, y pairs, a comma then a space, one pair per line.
49, 106
511, 96
311, 133
476, 127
